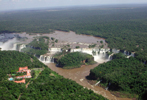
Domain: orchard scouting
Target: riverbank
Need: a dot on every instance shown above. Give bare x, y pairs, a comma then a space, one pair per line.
79, 75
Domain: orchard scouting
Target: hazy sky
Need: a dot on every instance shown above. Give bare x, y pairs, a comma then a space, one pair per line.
22, 4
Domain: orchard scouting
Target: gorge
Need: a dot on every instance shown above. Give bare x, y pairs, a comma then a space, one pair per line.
100, 56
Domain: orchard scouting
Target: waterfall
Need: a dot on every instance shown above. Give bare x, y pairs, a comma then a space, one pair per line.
41, 58
21, 47
128, 53
52, 60
14, 46
125, 52
132, 54
98, 82
46, 59
110, 57
108, 86
104, 54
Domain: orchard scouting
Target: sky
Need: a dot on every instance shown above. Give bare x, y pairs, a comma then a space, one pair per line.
26, 4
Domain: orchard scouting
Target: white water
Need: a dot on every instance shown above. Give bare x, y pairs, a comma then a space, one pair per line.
46, 59
101, 58
9, 45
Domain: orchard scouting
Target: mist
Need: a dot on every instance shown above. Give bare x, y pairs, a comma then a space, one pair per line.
9, 45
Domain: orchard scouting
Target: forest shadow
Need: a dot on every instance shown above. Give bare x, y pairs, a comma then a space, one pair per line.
89, 77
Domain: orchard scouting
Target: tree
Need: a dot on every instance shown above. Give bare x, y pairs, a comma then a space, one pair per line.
77, 47
56, 40
101, 42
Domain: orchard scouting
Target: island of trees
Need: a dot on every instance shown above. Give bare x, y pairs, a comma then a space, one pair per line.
73, 60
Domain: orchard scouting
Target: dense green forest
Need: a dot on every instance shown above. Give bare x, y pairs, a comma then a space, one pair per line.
38, 46
10, 61
123, 27
124, 74
47, 86
50, 86
73, 60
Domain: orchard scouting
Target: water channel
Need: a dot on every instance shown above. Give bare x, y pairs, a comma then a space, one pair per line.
79, 75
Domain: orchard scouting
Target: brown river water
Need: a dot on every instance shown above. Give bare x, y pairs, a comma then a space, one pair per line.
79, 75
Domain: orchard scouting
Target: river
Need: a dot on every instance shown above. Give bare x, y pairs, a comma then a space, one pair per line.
79, 75
67, 38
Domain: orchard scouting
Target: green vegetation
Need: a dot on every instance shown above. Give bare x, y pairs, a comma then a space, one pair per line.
77, 47
92, 46
124, 29
20, 74
10, 90
35, 72
10, 61
118, 56
109, 53
101, 42
50, 86
94, 52
52, 38
38, 46
75, 59
45, 85
56, 40
129, 75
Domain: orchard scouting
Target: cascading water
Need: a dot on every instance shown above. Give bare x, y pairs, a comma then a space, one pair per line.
41, 58
110, 57
101, 56
14, 46
125, 52
21, 47
46, 59
128, 53
108, 86
52, 60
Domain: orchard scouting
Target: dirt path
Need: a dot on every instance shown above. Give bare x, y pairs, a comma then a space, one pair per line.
27, 84
19, 96
79, 75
